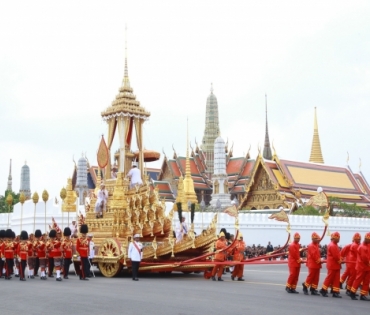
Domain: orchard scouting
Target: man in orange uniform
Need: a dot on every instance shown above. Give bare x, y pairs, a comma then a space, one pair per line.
40, 247
362, 270
82, 247
238, 255
333, 263
351, 261
343, 255
67, 251
22, 253
294, 264
219, 257
314, 265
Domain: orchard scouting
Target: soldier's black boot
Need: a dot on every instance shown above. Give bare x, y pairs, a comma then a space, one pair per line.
324, 293
353, 296
219, 279
337, 295
341, 285
294, 291
364, 298
214, 278
305, 289
314, 292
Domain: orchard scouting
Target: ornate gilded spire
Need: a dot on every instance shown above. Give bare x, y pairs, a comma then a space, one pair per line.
211, 132
126, 80
189, 190
267, 149
9, 187
316, 155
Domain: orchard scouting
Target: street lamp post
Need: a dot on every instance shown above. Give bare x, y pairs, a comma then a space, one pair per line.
45, 198
9, 201
35, 199
22, 199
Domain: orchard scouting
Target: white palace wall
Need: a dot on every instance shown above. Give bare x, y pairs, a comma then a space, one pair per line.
256, 227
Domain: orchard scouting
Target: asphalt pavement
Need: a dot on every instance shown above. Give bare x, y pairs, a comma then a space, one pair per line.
263, 293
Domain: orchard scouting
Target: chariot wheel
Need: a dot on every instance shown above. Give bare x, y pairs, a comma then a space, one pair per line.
110, 248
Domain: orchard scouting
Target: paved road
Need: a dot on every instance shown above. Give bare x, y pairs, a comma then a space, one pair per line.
262, 293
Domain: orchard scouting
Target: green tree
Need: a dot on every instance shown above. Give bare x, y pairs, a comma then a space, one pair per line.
346, 209
4, 207
307, 210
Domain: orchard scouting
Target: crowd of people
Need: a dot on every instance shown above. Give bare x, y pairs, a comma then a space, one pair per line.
44, 254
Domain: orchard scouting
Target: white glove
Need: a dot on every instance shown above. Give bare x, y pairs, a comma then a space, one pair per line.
19, 260
3, 259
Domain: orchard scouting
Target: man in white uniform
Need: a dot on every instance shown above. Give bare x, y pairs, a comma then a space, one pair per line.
74, 228
134, 175
91, 252
181, 229
101, 203
135, 253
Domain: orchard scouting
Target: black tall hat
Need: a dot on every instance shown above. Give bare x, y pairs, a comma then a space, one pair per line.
8, 233
24, 235
67, 231
38, 233
53, 233
13, 234
84, 229
2, 233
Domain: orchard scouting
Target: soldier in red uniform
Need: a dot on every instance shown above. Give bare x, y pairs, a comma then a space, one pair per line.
16, 264
351, 261
2, 257
22, 254
314, 265
49, 252
333, 264
40, 247
31, 257
67, 251
362, 270
220, 256
294, 264
56, 253
82, 247
238, 255
9, 253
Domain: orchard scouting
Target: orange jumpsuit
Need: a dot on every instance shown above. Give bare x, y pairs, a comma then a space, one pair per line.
333, 264
362, 270
294, 264
219, 257
314, 265
344, 254
351, 264
238, 255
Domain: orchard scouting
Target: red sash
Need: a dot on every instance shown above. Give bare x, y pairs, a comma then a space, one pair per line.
137, 247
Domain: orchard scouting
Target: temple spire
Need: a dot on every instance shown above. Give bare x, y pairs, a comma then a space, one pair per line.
9, 187
316, 155
267, 149
211, 131
126, 80
189, 190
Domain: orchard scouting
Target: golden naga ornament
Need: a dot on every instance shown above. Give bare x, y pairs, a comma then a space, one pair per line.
9, 199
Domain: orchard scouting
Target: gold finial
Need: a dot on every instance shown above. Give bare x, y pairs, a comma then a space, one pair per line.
9, 199
316, 154
22, 198
45, 196
359, 166
126, 80
211, 88
347, 157
35, 197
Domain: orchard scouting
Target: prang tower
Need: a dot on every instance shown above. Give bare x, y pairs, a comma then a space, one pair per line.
211, 132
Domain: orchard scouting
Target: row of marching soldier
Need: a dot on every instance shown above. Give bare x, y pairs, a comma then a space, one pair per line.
47, 255
356, 256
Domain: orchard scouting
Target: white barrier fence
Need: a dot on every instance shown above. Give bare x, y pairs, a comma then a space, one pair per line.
256, 227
